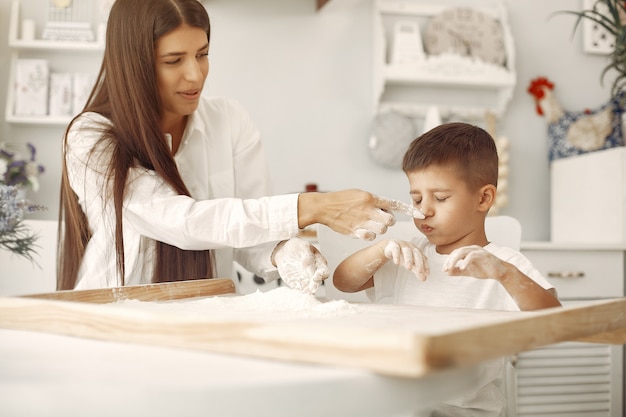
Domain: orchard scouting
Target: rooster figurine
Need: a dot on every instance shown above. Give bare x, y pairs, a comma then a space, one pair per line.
574, 133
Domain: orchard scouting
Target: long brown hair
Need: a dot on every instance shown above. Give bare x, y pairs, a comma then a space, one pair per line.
126, 93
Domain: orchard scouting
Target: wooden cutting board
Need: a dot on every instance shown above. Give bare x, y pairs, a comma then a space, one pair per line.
403, 341
148, 292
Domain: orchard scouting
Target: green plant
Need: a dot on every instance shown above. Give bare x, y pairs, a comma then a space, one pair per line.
611, 15
15, 236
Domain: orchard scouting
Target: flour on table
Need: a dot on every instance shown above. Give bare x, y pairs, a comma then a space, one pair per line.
282, 301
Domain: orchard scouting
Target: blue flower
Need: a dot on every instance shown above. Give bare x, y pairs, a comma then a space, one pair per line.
20, 171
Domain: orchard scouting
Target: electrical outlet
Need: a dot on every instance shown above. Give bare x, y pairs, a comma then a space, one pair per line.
596, 39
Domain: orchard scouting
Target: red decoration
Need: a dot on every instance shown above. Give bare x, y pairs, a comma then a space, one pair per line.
536, 89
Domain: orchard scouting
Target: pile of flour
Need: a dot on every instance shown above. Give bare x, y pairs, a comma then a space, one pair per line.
282, 302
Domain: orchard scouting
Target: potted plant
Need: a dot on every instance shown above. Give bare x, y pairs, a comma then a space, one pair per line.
17, 174
15, 236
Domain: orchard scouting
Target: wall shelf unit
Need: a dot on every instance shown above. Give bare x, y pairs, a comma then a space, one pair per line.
457, 84
55, 52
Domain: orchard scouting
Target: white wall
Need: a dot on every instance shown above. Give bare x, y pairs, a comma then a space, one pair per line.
306, 79
545, 46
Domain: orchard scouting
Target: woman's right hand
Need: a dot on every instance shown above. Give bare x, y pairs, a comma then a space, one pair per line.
352, 212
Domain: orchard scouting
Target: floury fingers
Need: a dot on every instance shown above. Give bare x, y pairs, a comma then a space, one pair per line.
401, 207
300, 265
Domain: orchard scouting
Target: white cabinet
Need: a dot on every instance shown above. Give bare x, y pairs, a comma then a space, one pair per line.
570, 379
457, 85
575, 379
58, 53
602, 218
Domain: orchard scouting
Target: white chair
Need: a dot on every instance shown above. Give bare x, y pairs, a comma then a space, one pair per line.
19, 276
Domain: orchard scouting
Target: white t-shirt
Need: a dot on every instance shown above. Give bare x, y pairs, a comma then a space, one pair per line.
222, 162
397, 285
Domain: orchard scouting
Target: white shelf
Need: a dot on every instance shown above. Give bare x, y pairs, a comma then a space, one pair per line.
562, 246
55, 51
42, 45
420, 75
38, 120
456, 85
430, 8
403, 7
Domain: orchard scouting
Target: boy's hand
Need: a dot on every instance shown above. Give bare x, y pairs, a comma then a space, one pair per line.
407, 255
475, 261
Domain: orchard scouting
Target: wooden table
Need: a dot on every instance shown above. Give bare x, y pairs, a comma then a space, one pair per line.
369, 360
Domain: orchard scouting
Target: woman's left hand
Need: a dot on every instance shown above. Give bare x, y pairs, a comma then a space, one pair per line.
300, 265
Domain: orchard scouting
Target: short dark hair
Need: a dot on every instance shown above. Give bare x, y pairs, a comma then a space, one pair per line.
471, 149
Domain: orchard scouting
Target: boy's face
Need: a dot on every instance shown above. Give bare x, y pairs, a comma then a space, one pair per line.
454, 214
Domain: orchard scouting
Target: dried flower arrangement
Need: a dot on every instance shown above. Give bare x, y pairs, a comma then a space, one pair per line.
15, 236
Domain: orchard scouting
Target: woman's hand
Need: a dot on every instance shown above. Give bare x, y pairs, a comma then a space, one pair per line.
300, 265
352, 212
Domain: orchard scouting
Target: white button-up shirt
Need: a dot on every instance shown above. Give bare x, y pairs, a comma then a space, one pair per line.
222, 162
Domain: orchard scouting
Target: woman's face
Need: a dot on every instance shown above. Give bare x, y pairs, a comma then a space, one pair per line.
182, 65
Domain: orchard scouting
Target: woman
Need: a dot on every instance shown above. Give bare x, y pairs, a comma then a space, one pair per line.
160, 183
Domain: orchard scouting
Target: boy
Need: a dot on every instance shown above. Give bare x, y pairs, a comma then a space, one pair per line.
452, 172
